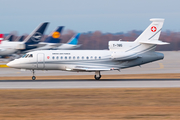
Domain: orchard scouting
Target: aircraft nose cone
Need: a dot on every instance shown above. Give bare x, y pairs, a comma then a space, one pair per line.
12, 64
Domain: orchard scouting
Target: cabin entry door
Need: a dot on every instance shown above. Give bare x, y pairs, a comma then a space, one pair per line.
40, 61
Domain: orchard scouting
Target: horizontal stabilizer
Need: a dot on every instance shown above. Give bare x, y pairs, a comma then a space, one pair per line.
157, 42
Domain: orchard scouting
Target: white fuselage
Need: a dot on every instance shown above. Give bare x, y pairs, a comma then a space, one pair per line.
88, 60
8, 48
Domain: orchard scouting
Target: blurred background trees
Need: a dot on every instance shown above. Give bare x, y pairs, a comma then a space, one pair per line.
98, 40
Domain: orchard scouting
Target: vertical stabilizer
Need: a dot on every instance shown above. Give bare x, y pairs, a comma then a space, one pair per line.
74, 39
152, 32
1, 36
10, 37
20, 39
36, 35
54, 37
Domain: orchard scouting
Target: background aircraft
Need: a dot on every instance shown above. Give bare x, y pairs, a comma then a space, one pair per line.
8, 47
9, 37
1, 36
120, 55
71, 44
53, 41
20, 39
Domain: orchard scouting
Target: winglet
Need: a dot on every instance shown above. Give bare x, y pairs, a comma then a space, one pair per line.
54, 37
74, 39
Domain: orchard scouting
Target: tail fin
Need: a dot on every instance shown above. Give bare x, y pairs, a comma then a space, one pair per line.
152, 33
54, 36
1, 36
9, 37
20, 39
37, 34
74, 39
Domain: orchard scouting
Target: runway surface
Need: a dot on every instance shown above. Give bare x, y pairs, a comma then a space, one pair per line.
107, 83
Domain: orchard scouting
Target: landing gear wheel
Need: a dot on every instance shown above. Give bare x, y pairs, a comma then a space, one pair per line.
33, 77
97, 78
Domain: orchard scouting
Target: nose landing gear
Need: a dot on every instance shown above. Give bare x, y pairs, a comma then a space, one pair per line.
33, 77
97, 75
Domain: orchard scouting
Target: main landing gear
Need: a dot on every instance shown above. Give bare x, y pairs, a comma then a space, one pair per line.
33, 77
97, 75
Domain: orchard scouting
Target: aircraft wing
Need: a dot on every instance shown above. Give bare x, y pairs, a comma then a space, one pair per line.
37, 45
90, 69
56, 45
127, 58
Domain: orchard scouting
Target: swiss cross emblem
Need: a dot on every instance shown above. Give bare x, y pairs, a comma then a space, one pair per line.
48, 57
153, 29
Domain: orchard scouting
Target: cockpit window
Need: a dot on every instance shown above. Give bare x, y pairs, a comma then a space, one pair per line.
27, 56
30, 55
24, 56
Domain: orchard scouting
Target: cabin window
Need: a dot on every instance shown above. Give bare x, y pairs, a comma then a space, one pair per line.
57, 57
53, 57
82, 57
69, 57
95, 57
65, 57
91, 57
99, 57
74, 57
87, 58
78, 57
61, 57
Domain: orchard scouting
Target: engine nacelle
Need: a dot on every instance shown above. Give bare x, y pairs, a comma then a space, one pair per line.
117, 55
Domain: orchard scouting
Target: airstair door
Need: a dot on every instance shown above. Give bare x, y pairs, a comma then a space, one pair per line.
40, 61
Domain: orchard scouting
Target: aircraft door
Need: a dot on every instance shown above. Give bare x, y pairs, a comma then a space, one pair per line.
40, 61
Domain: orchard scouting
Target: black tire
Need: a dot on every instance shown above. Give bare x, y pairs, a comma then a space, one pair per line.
33, 77
97, 78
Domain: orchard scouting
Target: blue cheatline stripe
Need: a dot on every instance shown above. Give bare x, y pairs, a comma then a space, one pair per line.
155, 34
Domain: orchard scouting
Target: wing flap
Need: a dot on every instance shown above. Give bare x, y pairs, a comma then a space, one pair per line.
91, 69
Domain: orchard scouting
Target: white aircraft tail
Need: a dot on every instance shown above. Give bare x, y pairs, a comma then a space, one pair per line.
152, 33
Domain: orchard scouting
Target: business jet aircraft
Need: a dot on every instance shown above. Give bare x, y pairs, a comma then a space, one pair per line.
9, 47
120, 55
